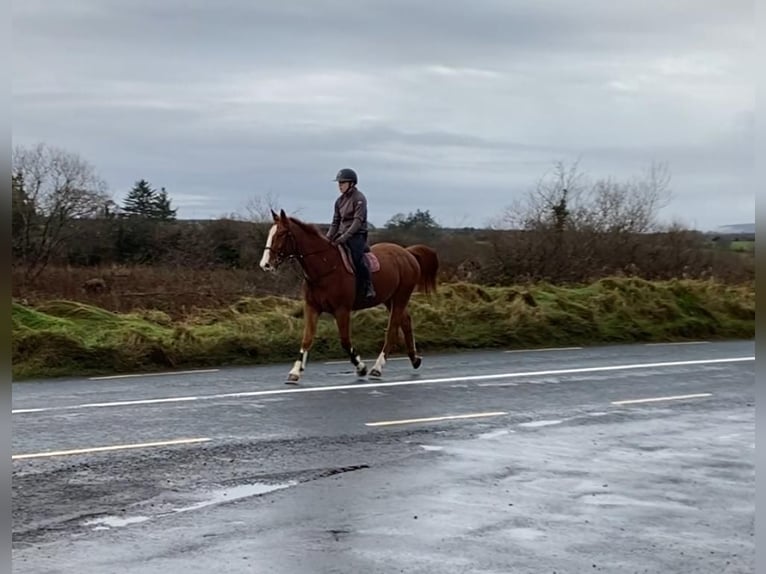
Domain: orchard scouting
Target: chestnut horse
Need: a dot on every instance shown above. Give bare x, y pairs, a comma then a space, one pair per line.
331, 287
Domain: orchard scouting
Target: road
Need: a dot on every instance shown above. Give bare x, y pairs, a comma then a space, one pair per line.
635, 458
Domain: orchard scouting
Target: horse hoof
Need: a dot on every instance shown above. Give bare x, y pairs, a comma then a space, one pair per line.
362, 372
375, 373
292, 380
417, 362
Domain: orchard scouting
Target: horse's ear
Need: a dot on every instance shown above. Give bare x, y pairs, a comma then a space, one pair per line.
274, 215
283, 215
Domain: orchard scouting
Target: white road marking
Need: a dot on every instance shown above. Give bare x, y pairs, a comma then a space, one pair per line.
162, 374
362, 386
543, 350
657, 399
676, 343
348, 361
435, 419
109, 448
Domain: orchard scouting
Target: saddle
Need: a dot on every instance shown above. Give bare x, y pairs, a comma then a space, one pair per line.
369, 259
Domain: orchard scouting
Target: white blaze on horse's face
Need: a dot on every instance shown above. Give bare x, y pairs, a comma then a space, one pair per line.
266, 259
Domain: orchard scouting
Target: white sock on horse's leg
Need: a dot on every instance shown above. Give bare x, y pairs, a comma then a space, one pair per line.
300, 364
380, 363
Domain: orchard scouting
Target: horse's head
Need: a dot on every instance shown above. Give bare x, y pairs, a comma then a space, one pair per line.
280, 243
291, 238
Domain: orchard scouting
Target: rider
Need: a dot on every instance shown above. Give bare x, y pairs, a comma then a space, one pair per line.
349, 225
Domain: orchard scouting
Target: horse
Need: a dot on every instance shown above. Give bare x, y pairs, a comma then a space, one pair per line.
330, 286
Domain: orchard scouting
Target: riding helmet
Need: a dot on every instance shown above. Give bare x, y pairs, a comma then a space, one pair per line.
346, 174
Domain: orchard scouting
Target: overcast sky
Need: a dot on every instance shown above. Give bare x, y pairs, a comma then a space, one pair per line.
455, 108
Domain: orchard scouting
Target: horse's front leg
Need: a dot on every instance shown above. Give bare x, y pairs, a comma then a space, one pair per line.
310, 317
343, 320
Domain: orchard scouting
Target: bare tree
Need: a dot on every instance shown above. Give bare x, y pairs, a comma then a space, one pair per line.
563, 189
259, 208
55, 187
630, 207
570, 226
565, 198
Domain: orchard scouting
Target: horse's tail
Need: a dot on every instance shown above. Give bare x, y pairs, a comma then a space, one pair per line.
429, 266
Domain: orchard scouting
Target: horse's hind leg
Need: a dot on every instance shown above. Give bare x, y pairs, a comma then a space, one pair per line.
409, 339
310, 317
392, 335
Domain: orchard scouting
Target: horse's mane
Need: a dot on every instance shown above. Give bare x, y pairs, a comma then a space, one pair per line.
309, 228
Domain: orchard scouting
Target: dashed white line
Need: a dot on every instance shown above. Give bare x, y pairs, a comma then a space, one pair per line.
543, 350
377, 385
109, 448
161, 374
658, 399
348, 361
435, 419
676, 343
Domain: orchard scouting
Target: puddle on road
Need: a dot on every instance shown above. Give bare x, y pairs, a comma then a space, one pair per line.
107, 522
526, 534
606, 499
540, 423
213, 497
495, 433
234, 493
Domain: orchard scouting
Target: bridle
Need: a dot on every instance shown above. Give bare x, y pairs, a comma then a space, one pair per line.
298, 255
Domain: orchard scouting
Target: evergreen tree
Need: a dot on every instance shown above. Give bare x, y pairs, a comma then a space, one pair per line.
147, 203
560, 213
20, 202
420, 220
162, 208
140, 201
22, 215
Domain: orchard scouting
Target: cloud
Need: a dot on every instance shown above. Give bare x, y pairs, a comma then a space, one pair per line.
435, 104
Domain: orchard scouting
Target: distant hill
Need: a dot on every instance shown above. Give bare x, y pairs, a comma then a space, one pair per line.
737, 228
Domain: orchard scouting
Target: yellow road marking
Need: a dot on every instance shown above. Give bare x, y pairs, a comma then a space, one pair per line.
108, 448
657, 399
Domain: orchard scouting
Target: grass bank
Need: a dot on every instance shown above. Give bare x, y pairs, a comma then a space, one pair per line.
59, 338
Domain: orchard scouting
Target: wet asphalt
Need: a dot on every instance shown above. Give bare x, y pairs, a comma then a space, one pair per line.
553, 472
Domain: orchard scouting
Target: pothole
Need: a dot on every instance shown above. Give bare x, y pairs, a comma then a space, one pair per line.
218, 496
213, 497
233, 493
108, 522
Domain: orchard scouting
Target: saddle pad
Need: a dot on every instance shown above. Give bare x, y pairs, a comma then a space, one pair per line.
372, 262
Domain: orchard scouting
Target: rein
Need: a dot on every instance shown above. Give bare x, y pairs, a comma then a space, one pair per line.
301, 256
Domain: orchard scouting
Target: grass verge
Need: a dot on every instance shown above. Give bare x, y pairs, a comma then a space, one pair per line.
61, 338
